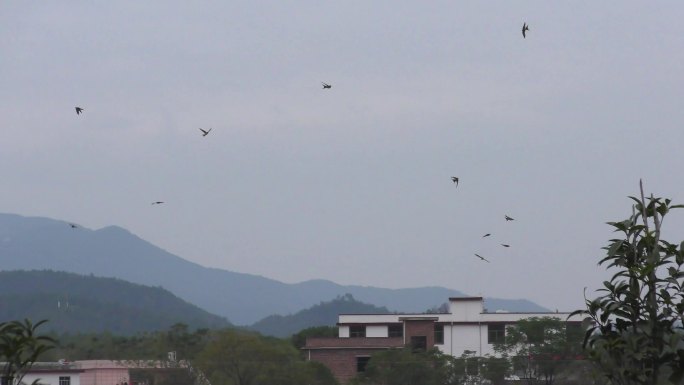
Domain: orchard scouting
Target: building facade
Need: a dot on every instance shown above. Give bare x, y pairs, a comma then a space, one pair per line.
466, 329
90, 372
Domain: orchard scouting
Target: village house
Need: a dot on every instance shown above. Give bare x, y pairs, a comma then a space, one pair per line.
112, 372
467, 328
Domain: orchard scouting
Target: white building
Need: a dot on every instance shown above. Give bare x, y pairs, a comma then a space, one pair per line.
466, 329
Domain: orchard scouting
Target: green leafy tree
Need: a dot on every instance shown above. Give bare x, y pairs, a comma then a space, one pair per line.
540, 347
408, 367
494, 369
466, 369
636, 337
241, 358
20, 347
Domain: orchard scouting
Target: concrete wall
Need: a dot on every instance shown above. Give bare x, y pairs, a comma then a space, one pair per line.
466, 309
376, 331
105, 376
51, 378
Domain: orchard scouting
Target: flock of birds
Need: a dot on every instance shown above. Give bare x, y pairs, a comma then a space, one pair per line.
525, 29
506, 217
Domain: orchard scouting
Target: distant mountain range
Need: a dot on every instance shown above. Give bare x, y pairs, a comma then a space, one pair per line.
30, 243
323, 314
80, 304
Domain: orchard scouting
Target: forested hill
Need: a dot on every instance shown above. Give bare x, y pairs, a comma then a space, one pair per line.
323, 314
76, 303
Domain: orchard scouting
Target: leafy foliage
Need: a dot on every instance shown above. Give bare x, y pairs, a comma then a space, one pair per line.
637, 335
20, 347
226, 357
541, 347
408, 367
240, 358
145, 346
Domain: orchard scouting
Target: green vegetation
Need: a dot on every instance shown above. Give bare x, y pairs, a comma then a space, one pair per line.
226, 356
408, 367
239, 358
145, 346
75, 303
637, 335
20, 347
541, 347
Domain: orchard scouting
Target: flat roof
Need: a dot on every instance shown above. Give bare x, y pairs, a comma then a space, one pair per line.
451, 299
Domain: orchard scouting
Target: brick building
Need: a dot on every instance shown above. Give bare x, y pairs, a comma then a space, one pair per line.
467, 327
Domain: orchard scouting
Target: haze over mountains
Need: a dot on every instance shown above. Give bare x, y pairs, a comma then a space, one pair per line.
28, 243
83, 304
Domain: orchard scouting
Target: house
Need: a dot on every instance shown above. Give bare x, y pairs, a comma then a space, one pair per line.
466, 329
114, 372
91, 372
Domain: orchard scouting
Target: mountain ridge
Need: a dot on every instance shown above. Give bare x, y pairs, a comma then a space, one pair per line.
323, 314
28, 243
81, 304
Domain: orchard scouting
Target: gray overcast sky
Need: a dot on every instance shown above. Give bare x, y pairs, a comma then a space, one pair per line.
350, 184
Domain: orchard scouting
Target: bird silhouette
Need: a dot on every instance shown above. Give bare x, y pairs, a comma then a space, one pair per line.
455, 180
525, 28
486, 235
205, 132
326, 85
481, 257
157, 203
505, 245
79, 110
73, 226
509, 218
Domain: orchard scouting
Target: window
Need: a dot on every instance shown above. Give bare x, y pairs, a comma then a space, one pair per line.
419, 343
395, 330
439, 334
496, 333
357, 331
64, 380
361, 363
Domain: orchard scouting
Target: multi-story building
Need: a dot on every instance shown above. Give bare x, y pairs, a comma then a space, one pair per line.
466, 329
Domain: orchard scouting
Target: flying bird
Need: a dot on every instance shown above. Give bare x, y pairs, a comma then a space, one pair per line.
79, 110
486, 235
157, 203
481, 257
205, 132
455, 180
326, 85
525, 28
73, 226
509, 218
505, 245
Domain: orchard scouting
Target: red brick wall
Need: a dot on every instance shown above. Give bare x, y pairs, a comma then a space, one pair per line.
420, 328
341, 362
